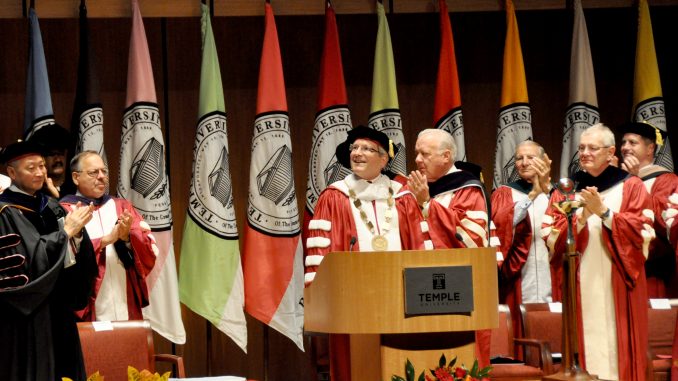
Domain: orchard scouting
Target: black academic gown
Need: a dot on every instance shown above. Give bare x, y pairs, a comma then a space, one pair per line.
38, 333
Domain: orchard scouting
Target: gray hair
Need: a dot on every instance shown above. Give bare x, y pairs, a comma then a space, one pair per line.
444, 138
606, 135
533, 144
75, 161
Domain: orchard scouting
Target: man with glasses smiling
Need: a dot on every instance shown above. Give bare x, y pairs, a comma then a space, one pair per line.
366, 211
640, 143
613, 233
124, 246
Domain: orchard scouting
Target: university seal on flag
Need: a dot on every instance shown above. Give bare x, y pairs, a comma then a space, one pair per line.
578, 117
272, 202
142, 178
515, 126
91, 134
331, 127
210, 202
389, 122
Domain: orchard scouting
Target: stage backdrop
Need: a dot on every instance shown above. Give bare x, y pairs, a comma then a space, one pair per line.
174, 45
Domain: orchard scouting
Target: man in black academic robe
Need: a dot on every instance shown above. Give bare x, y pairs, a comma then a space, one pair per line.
47, 268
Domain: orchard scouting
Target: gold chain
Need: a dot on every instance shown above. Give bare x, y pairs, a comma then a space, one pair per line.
363, 216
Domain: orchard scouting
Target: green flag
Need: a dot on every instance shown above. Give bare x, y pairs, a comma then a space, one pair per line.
385, 112
210, 277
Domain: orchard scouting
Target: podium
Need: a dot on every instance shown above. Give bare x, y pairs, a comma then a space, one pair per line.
362, 294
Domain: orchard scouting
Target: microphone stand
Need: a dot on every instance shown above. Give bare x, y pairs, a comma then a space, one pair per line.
570, 368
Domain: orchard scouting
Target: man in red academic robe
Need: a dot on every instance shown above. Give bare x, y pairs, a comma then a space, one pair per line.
525, 275
613, 233
453, 203
669, 218
123, 243
638, 149
366, 211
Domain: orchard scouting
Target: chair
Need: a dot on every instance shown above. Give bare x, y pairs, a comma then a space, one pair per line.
539, 323
111, 351
661, 331
502, 351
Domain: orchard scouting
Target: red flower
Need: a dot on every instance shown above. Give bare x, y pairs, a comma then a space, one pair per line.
459, 372
443, 374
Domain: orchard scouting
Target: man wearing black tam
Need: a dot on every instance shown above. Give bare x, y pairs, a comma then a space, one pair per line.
55, 140
613, 233
639, 146
47, 268
366, 211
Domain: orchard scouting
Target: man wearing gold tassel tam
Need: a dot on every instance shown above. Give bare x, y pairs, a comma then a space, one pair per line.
640, 143
366, 211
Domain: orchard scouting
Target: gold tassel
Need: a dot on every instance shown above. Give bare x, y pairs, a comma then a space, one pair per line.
390, 149
658, 135
660, 140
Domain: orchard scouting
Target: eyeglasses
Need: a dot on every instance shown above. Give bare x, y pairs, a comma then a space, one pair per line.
358, 148
592, 149
95, 172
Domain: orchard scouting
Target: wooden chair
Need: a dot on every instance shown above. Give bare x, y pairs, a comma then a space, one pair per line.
539, 323
502, 348
662, 325
111, 351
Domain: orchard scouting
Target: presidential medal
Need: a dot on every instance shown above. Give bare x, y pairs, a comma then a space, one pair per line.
379, 243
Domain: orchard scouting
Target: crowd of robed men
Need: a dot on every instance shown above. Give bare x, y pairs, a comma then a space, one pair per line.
87, 257
624, 231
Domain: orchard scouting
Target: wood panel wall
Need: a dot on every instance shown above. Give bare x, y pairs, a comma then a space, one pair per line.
175, 51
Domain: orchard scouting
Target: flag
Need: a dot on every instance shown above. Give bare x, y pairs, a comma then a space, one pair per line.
648, 102
87, 123
515, 117
447, 106
332, 121
143, 181
272, 253
38, 107
384, 111
582, 111
210, 277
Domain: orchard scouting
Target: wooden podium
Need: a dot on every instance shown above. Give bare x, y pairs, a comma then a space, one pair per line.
362, 294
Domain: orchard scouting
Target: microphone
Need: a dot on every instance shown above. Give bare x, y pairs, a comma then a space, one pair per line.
351, 243
459, 238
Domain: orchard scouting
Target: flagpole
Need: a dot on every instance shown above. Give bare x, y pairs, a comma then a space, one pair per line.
208, 339
266, 343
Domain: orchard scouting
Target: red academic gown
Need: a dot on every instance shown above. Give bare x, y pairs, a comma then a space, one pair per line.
660, 267
457, 217
671, 215
515, 244
139, 264
333, 228
624, 242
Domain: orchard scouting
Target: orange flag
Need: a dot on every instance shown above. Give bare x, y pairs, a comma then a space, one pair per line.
515, 117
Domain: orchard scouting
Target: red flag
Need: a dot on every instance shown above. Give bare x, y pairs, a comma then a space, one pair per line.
332, 121
447, 106
272, 253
